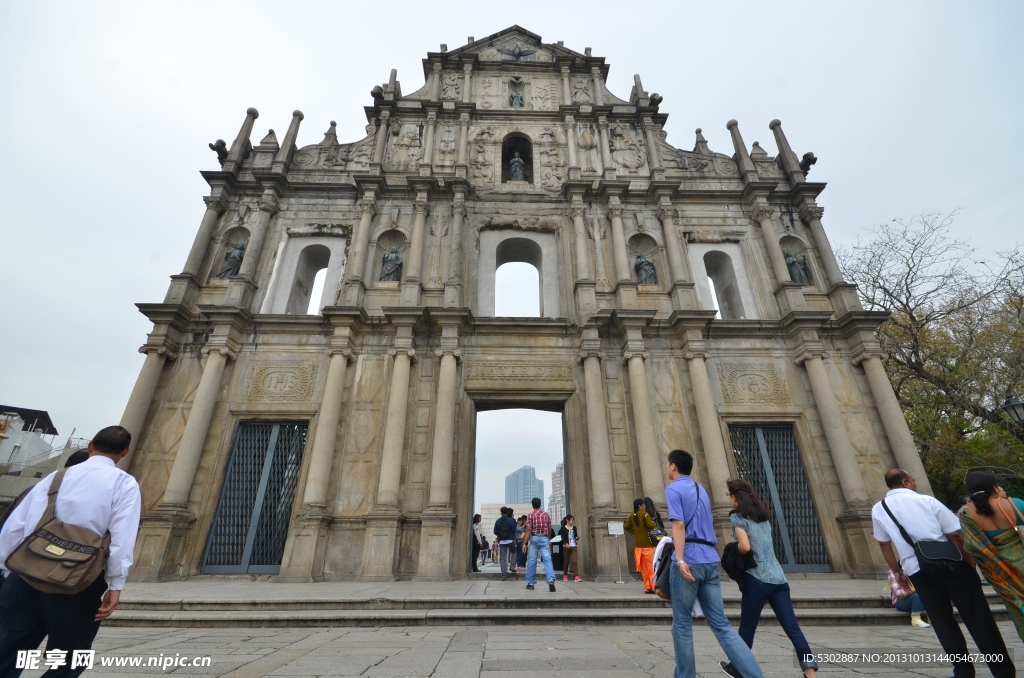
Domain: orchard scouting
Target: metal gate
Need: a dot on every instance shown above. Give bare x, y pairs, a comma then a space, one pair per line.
767, 457
251, 523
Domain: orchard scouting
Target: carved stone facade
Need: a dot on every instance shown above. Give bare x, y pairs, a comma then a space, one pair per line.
377, 394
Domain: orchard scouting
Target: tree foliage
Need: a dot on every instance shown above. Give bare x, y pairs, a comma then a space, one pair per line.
954, 342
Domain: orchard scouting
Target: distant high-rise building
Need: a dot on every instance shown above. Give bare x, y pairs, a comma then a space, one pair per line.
557, 503
522, 486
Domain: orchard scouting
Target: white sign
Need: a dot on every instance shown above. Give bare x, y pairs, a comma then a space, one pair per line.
615, 528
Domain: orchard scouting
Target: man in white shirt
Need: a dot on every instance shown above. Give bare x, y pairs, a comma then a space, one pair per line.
926, 518
94, 494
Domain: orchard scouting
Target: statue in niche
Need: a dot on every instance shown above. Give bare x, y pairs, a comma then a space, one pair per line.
450, 87
446, 149
645, 273
516, 168
581, 91
232, 261
391, 267
588, 151
516, 85
799, 271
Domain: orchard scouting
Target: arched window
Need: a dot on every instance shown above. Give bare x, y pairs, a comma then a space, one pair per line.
312, 260
516, 143
719, 269
517, 289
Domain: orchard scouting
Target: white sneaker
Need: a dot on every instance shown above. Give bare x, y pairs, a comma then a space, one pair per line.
915, 620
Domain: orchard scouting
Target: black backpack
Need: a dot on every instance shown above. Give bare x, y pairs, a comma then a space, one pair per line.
504, 530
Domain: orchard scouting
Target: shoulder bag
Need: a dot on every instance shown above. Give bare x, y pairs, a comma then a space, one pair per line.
1012, 519
58, 557
937, 558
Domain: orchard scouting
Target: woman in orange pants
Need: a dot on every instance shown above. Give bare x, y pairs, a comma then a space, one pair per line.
637, 524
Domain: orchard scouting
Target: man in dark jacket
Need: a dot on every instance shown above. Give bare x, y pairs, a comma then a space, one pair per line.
505, 536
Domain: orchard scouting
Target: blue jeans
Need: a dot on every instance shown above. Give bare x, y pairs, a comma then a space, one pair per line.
542, 545
911, 603
755, 594
707, 588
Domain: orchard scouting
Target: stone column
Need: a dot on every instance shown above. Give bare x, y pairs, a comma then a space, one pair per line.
467, 86
463, 138
566, 88
268, 208
382, 134
354, 270
844, 456
652, 147
318, 474
598, 87
435, 82
570, 139
394, 430
414, 267
606, 156
453, 286
597, 430
427, 168
812, 217
622, 271
134, 417
236, 154
580, 231
715, 456
186, 459
643, 418
673, 247
444, 426
896, 430
763, 215
215, 206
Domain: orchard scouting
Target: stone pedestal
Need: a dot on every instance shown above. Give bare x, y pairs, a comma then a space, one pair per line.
864, 557
684, 296
844, 298
159, 545
239, 291
184, 290
436, 530
790, 296
303, 559
625, 291
380, 547
586, 298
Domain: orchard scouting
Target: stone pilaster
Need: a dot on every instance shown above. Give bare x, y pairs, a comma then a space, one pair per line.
654, 158
413, 283
463, 139
682, 289
379, 142
354, 287
467, 83
625, 286
789, 294
595, 72
453, 286
570, 140
427, 167
606, 155
216, 205
586, 294
241, 286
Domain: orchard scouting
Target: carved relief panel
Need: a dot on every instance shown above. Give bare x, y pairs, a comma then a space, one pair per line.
280, 382
753, 384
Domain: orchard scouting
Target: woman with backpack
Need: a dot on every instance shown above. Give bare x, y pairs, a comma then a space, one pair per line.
638, 523
765, 583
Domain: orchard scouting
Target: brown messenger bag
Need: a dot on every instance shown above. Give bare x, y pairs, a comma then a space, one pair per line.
58, 557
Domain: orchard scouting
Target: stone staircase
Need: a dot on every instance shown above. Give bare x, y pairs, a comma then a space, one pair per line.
475, 602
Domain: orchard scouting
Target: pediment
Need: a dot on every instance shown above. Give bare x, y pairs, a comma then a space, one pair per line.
515, 44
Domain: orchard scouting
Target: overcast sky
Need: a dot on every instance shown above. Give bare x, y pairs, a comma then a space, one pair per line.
537, 442
106, 110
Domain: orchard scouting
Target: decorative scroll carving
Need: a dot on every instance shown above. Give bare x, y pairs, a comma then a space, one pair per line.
753, 384
280, 382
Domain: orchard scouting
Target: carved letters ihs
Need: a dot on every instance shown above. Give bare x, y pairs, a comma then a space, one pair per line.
753, 384
280, 382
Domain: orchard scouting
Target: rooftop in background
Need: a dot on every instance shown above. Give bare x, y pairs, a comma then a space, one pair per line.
35, 420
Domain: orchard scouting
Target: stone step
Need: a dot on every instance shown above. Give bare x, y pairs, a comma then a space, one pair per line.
537, 616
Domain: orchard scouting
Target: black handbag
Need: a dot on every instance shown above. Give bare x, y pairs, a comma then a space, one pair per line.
936, 558
662, 585
656, 534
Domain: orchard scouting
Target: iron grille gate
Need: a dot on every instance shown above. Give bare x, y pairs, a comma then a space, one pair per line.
767, 457
251, 523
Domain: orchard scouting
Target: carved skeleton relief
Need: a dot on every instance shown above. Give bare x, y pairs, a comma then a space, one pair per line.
406, 149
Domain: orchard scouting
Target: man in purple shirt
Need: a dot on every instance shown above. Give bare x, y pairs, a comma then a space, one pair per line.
695, 576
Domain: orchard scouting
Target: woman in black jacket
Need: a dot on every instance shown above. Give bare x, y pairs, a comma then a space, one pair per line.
570, 540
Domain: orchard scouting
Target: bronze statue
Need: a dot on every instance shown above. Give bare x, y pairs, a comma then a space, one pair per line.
645, 273
516, 168
799, 271
391, 267
232, 261
515, 100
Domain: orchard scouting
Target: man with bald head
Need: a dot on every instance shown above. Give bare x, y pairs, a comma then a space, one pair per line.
924, 518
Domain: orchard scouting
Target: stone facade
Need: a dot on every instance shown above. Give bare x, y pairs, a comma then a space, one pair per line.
390, 375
